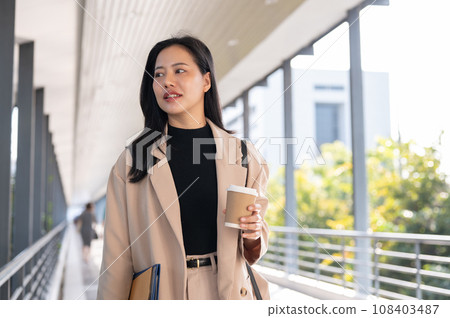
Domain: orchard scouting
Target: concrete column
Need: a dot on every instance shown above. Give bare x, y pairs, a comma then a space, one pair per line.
59, 196
39, 169
246, 114
360, 200
44, 180
7, 14
48, 185
62, 199
290, 218
52, 187
23, 198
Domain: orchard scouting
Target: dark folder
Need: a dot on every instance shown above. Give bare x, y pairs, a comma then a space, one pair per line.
145, 285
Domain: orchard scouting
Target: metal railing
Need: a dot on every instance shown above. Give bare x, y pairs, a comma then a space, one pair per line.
403, 266
28, 274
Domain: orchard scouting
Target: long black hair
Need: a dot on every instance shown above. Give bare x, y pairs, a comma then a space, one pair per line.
155, 118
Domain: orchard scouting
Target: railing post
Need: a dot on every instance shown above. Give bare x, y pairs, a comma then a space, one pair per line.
9, 289
24, 286
376, 269
418, 268
343, 261
285, 248
316, 259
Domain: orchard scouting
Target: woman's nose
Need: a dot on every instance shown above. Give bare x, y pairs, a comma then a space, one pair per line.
168, 80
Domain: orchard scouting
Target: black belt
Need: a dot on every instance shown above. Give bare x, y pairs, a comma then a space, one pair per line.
199, 262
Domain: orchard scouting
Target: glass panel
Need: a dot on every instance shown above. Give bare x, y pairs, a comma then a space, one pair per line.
233, 117
14, 132
14, 140
322, 128
266, 120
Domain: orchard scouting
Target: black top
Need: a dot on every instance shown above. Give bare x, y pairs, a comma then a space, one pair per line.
198, 204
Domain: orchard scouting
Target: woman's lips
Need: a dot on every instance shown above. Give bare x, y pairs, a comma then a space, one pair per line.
172, 98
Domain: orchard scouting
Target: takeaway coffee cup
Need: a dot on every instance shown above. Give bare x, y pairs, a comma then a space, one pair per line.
238, 199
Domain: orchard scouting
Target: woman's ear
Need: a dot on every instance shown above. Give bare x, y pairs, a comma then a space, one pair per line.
207, 82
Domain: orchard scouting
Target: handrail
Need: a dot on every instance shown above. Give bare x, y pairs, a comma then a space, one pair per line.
9, 269
300, 255
404, 237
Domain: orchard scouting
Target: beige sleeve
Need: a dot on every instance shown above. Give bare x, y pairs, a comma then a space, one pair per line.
116, 270
258, 176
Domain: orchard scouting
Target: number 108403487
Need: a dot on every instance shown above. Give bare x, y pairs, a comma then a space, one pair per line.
379, 309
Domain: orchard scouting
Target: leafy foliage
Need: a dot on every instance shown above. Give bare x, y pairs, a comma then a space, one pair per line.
407, 190
408, 193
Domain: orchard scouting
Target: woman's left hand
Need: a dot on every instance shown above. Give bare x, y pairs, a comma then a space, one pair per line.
252, 224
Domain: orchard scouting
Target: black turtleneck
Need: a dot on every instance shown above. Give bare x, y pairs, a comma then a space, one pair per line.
198, 204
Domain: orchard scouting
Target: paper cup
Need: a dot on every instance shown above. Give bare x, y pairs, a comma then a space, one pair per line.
238, 199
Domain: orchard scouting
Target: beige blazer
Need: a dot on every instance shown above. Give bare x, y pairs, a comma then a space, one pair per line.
143, 225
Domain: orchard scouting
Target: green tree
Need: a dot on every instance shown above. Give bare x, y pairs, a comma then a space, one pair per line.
408, 193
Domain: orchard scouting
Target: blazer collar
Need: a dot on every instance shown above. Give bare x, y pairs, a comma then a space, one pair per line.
225, 144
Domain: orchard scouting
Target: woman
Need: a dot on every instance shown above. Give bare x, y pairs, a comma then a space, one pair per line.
166, 199
87, 220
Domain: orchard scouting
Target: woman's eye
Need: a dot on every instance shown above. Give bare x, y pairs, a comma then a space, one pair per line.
180, 71
158, 74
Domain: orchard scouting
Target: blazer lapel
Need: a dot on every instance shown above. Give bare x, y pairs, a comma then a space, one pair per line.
162, 180
229, 171
164, 186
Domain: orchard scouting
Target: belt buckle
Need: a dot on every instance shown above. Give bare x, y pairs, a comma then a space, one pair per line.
195, 259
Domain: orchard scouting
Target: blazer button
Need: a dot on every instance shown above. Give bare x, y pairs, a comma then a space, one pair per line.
243, 292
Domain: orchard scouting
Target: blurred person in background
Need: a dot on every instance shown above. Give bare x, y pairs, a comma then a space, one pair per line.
85, 222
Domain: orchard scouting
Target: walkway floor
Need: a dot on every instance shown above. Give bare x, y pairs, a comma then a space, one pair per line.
80, 278
84, 284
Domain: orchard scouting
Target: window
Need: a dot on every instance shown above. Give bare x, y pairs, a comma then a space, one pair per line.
327, 123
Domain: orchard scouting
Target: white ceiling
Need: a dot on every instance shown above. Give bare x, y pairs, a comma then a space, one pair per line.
116, 37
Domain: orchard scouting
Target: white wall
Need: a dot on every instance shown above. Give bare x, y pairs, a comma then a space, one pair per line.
267, 112
376, 103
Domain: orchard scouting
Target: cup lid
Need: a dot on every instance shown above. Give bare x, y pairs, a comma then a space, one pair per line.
245, 190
